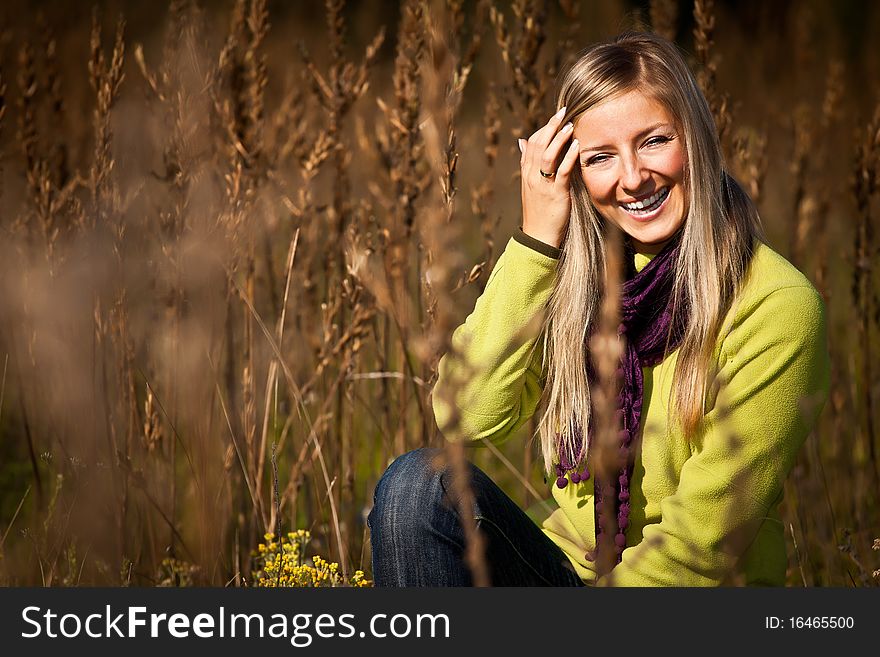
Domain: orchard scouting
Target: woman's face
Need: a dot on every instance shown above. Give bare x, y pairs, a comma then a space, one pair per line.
633, 161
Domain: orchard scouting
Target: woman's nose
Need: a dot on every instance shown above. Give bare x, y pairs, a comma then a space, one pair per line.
634, 174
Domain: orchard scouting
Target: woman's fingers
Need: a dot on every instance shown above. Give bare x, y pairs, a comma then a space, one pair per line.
544, 135
553, 151
563, 173
537, 145
546, 207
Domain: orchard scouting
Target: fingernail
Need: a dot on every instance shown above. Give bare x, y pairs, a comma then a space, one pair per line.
560, 113
568, 126
519, 142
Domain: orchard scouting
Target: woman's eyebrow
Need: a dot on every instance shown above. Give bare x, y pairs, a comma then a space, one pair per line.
651, 128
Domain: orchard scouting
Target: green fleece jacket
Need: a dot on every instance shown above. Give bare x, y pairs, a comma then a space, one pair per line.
704, 511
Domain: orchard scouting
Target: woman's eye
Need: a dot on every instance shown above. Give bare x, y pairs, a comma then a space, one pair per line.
596, 159
654, 141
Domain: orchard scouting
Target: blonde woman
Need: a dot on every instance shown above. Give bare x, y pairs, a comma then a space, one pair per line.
694, 497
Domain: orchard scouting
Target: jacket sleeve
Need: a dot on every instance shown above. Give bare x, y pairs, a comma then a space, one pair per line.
490, 382
775, 363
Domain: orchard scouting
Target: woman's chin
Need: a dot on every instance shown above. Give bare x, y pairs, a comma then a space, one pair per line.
651, 236
649, 241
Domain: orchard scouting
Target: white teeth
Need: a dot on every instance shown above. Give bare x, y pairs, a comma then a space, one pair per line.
648, 202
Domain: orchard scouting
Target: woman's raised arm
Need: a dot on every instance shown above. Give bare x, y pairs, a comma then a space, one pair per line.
491, 381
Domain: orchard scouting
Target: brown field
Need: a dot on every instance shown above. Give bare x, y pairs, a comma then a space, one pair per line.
235, 238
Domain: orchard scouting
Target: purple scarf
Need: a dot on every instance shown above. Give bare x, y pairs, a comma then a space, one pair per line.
646, 321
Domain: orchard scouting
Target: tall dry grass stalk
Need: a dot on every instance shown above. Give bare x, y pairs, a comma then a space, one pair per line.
529, 85
750, 161
809, 247
829, 123
520, 50
2, 117
343, 85
115, 366
707, 59
606, 351
804, 202
866, 183
250, 234
444, 81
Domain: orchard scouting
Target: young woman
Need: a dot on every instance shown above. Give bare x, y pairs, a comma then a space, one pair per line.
695, 501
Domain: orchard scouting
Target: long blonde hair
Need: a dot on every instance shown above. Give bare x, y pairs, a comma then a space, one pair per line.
716, 244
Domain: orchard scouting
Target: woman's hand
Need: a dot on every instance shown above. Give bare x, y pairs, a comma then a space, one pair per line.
546, 199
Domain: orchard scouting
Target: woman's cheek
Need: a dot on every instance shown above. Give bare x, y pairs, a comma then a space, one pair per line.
677, 164
592, 181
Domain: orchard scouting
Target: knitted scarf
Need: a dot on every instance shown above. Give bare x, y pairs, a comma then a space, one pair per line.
646, 323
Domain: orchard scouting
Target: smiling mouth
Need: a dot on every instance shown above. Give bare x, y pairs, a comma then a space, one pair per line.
649, 204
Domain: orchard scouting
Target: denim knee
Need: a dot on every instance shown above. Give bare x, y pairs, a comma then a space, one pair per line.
407, 491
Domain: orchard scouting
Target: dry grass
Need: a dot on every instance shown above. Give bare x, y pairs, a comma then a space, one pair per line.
234, 247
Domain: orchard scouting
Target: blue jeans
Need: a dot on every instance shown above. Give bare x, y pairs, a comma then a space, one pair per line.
418, 540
